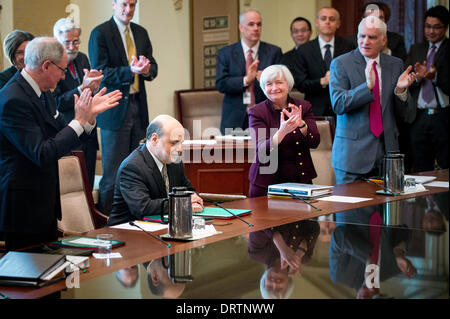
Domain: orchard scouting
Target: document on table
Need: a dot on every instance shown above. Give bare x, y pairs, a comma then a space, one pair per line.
343, 199
438, 184
421, 179
144, 225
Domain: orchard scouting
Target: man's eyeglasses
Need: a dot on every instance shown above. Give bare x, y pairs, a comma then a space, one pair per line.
74, 43
434, 27
62, 70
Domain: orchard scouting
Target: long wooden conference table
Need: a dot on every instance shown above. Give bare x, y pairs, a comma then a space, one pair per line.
231, 245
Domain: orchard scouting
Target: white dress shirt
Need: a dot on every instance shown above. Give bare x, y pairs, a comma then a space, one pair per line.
323, 43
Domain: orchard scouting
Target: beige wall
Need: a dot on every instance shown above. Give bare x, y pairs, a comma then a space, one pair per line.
277, 17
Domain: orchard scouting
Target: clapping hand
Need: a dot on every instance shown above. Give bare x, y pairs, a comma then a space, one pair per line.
405, 80
421, 71
252, 72
91, 80
141, 66
87, 107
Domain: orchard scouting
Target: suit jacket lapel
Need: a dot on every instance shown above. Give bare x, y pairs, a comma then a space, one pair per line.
440, 51
386, 78
117, 39
154, 169
318, 53
78, 69
37, 103
361, 64
238, 56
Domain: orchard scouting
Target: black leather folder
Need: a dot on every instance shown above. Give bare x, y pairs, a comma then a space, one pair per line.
27, 269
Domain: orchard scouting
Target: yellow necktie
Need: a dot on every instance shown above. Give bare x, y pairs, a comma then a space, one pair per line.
131, 51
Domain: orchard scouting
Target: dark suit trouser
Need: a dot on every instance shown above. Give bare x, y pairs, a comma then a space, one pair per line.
19, 240
89, 149
116, 146
429, 138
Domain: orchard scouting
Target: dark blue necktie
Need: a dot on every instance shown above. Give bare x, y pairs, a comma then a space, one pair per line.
43, 100
327, 58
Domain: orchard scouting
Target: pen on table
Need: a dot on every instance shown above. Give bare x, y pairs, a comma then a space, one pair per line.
3, 296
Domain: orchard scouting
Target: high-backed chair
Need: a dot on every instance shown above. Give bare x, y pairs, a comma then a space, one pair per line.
79, 214
321, 156
203, 105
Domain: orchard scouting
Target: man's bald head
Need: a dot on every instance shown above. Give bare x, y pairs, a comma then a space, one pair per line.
164, 137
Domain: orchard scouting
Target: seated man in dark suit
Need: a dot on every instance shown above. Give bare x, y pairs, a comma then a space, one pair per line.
395, 45
149, 172
312, 73
239, 66
33, 136
79, 76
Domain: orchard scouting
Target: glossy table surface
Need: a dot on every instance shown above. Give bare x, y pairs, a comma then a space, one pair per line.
229, 266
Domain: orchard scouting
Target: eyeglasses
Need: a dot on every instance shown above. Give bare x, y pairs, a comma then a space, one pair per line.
434, 27
295, 31
60, 68
74, 43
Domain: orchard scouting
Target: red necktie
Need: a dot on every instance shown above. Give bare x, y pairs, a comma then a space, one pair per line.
374, 235
251, 87
376, 121
72, 69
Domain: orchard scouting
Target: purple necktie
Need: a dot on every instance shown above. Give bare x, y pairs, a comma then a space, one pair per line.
376, 122
427, 88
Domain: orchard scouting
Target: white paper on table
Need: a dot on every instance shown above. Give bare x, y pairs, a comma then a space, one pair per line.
343, 199
147, 226
199, 142
438, 184
107, 256
421, 179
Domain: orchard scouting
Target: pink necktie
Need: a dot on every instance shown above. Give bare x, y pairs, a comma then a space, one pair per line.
374, 235
376, 121
248, 62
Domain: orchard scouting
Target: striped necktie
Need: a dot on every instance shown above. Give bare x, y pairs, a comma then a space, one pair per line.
165, 178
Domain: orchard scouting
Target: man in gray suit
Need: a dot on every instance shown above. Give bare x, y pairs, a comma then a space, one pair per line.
368, 90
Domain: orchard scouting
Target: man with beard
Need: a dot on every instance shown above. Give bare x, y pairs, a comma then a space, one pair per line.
79, 76
146, 176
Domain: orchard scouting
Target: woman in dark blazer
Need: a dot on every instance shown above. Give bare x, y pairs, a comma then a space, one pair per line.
283, 130
14, 48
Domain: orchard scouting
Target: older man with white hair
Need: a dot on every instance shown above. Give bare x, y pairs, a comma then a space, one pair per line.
79, 76
33, 136
368, 90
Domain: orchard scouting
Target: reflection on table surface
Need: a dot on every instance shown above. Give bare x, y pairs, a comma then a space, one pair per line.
383, 251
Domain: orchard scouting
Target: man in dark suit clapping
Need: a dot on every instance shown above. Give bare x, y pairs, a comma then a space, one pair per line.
123, 51
312, 73
33, 136
239, 67
79, 76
